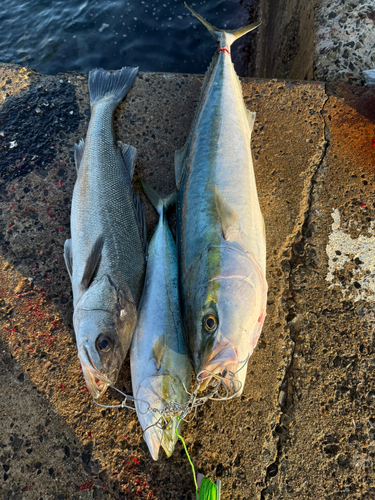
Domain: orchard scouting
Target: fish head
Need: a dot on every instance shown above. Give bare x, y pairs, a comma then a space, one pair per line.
228, 313
152, 397
103, 324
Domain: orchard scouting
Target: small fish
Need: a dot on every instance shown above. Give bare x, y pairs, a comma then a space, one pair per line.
160, 369
105, 256
220, 228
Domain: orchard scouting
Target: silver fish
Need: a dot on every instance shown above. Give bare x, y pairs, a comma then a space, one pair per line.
105, 257
160, 368
221, 234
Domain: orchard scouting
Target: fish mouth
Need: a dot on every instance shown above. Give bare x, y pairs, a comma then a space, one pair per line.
96, 383
158, 428
223, 372
161, 433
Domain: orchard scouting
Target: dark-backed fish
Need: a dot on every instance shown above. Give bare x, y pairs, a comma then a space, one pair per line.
105, 256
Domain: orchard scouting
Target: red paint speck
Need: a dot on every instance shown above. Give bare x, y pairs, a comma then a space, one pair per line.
136, 461
89, 434
60, 230
86, 486
363, 205
373, 143
87, 390
224, 49
63, 387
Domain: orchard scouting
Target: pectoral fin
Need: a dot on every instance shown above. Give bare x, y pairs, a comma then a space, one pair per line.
68, 257
158, 350
227, 217
92, 262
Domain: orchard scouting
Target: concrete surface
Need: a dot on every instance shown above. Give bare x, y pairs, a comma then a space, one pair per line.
326, 40
305, 424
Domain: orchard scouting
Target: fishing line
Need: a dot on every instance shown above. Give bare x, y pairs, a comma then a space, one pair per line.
208, 490
188, 456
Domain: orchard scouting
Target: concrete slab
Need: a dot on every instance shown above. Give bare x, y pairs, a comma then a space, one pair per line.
308, 143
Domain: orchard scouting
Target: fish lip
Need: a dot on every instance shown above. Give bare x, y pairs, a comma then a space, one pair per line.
95, 382
157, 437
222, 360
153, 440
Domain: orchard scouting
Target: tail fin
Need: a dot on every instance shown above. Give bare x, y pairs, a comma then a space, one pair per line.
161, 204
110, 86
224, 37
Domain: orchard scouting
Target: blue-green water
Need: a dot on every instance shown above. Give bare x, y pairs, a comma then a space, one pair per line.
65, 35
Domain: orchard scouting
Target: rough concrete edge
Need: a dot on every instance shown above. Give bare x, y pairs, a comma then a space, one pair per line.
275, 22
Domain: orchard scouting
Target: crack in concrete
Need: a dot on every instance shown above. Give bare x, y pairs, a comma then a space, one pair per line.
297, 258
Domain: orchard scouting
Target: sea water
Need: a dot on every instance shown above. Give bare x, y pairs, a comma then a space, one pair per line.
66, 35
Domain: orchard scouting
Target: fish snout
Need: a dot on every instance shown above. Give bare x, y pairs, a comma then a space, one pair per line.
224, 366
160, 433
96, 380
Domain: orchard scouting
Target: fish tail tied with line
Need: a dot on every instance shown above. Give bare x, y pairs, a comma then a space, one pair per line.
110, 86
224, 37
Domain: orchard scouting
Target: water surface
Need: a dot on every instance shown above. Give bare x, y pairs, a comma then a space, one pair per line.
65, 35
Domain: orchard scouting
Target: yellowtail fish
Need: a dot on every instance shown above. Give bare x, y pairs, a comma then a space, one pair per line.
105, 256
220, 228
160, 369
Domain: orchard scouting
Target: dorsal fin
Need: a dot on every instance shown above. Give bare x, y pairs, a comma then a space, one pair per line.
227, 217
129, 155
158, 350
251, 119
140, 214
79, 149
92, 262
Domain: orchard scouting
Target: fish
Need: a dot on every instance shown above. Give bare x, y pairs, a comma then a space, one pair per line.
160, 369
106, 255
220, 229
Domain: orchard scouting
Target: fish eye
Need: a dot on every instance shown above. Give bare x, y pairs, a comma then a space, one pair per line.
210, 322
103, 343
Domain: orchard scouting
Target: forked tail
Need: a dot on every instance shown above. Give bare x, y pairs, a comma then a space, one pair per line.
224, 37
160, 204
110, 86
